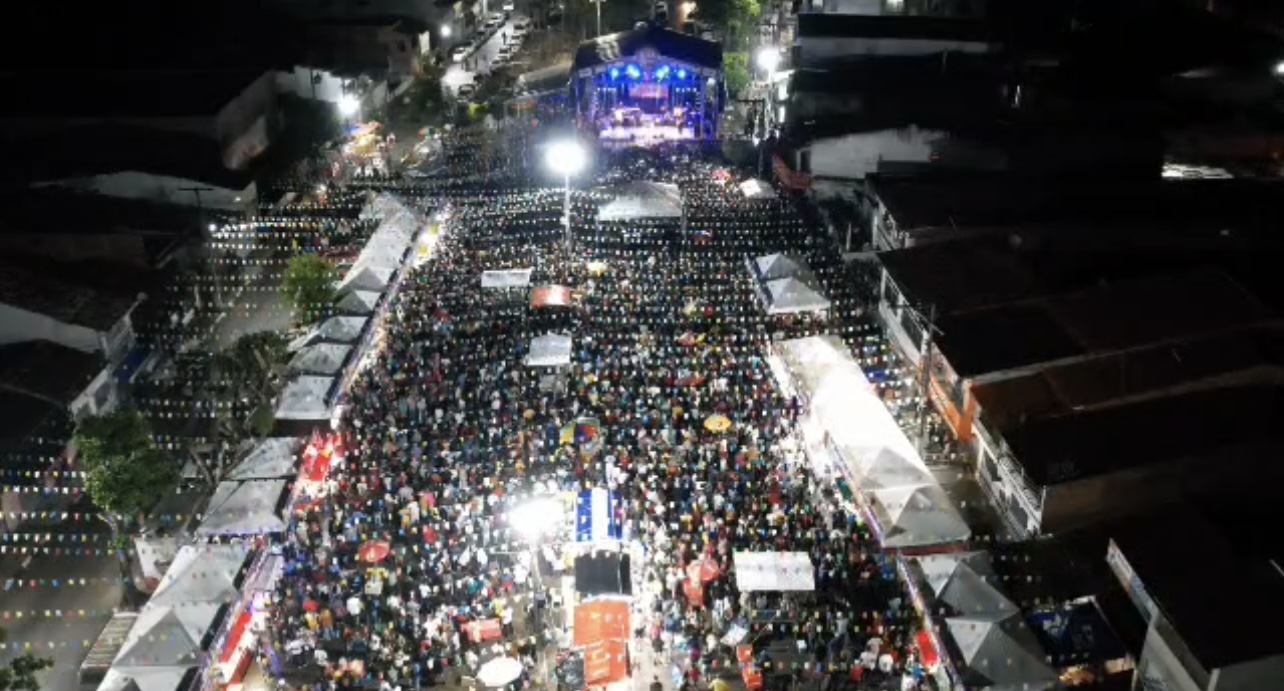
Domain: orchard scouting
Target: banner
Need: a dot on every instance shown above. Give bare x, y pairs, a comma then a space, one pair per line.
595, 516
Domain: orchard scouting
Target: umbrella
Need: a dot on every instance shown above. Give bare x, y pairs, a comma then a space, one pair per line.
717, 423
374, 551
703, 571
582, 431
499, 672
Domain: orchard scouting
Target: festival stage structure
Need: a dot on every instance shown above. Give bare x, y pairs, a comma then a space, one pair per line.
648, 86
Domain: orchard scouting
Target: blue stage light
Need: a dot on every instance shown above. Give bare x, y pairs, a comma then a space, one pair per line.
633, 72
615, 73
682, 74
662, 73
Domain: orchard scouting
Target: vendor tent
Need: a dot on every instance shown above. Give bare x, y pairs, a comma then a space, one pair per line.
253, 507
273, 457
551, 296
770, 267
917, 516
506, 278
169, 636
381, 206
306, 398
999, 652
177, 678
777, 571
757, 189
642, 200
323, 358
792, 295
938, 569
359, 302
332, 330
205, 573
549, 350
366, 276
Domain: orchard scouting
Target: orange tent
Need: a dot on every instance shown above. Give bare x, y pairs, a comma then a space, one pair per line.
604, 620
551, 296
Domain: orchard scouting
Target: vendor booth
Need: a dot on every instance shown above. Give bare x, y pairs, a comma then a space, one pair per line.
254, 507
506, 278
774, 571
321, 359
272, 458
359, 302
641, 199
346, 330
306, 398
549, 350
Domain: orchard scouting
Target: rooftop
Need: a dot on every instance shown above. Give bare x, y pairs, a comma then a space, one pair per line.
817, 25
59, 299
668, 43
1105, 318
1221, 626
1158, 430
47, 370
1132, 374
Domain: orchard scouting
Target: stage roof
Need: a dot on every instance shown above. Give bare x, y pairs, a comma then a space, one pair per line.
666, 42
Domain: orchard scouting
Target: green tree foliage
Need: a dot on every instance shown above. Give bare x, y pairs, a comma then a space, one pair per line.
20, 674
126, 473
309, 287
735, 70
734, 17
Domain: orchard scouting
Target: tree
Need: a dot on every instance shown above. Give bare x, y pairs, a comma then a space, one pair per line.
734, 17
309, 287
735, 70
20, 674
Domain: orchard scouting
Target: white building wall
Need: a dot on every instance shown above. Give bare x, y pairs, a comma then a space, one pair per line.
854, 156
132, 184
298, 82
19, 325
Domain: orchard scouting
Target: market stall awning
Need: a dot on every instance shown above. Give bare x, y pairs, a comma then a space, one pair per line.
176, 678
549, 350
366, 276
169, 636
632, 200
770, 267
253, 507
915, 516
306, 398
273, 457
332, 330
774, 571
601, 620
506, 278
999, 651
204, 573
965, 581
792, 295
359, 302
322, 358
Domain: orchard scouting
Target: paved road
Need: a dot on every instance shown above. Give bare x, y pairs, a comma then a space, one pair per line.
459, 73
67, 618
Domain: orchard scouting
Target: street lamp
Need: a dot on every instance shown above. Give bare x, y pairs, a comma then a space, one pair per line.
566, 158
1279, 69
445, 31
348, 105
768, 59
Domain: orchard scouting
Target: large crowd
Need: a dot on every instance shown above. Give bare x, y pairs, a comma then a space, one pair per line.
447, 431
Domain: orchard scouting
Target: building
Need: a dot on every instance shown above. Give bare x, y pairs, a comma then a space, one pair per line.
41, 306
1210, 586
825, 38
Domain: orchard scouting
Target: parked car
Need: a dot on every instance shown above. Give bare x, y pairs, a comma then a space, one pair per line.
466, 91
520, 31
661, 10
460, 54
509, 6
494, 20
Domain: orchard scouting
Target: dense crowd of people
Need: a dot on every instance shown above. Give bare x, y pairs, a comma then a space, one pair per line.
392, 572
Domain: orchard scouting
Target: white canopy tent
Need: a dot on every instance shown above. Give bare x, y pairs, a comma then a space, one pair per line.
167, 637
792, 295
1000, 653
322, 358
360, 302
244, 508
208, 573
305, 398
506, 278
939, 569
380, 206
332, 330
146, 678
366, 276
775, 571
642, 200
549, 350
770, 267
757, 189
273, 457
918, 515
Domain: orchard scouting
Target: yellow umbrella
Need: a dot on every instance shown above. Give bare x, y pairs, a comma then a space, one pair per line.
717, 423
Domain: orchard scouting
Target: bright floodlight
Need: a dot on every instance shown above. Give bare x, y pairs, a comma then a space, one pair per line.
769, 59
348, 105
1279, 68
567, 158
535, 518
445, 31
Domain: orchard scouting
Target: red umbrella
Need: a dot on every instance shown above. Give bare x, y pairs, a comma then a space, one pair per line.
374, 551
311, 605
703, 571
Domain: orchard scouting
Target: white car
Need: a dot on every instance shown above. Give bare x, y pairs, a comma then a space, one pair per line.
661, 10
461, 53
466, 90
509, 6
494, 20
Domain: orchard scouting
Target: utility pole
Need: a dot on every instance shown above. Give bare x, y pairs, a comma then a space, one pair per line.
598, 5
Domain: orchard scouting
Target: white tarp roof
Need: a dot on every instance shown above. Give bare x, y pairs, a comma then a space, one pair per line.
919, 515
770, 267
777, 571
273, 457
322, 358
999, 652
388, 243
144, 678
366, 276
549, 350
167, 636
244, 508
361, 302
332, 330
380, 206
506, 278
757, 189
790, 295
304, 398
938, 569
204, 573
642, 200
